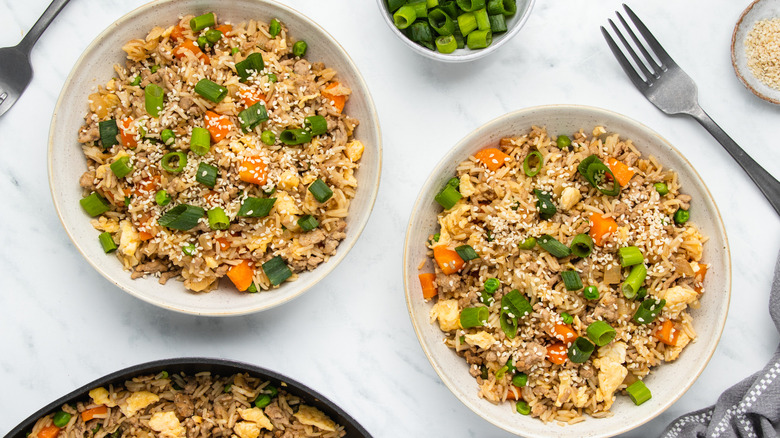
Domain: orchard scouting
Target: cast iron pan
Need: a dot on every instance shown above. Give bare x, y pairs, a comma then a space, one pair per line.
191, 366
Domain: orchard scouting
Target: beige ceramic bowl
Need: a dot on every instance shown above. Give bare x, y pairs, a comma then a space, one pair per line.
667, 382
757, 11
95, 67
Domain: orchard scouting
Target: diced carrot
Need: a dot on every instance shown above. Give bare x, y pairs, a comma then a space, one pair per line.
241, 275
223, 243
127, 137
448, 260
250, 96
622, 172
338, 101
699, 277
91, 413
600, 226
514, 393
428, 283
147, 185
557, 353
49, 431
219, 126
667, 333
145, 231
565, 333
177, 34
212, 197
224, 28
492, 158
252, 170
181, 50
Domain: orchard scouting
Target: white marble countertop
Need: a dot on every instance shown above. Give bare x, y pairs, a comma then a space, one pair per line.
350, 338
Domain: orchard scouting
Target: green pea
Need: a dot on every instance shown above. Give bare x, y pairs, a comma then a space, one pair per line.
563, 141
61, 419
528, 243
299, 48
491, 285
591, 293
268, 137
523, 408
661, 188
567, 318
681, 216
262, 401
520, 380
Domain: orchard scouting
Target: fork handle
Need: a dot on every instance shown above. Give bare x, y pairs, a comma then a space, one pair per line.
36, 31
768, 185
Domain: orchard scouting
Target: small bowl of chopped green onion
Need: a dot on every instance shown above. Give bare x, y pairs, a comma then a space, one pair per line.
455, 30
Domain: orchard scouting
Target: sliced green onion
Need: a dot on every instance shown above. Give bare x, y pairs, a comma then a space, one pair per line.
600, 333
420, 8
467, 23
253, 64
421, 32
448, 197
520, 380
532, 171
252, 116
504, 7
479, 39
299, 48
508, 323
276, 270
168, 159
394, 5
441, 22
256, 207
527, 243
268, 137
207, 174
218, 219
641, 294
121, 167
595, 172
446, 44
292, 137
516, 303
459, 39
320, 190
634, 281
638, 392
262, 400
497, 23
308, 222
271, 390
167, 136
571, 280
591, 293
274, 28
272, 78
567, 318
580, 350
470, 5
648, 310
128, 199
61, 419
681, 216
563, 141
136, 81
213, 35
162, 198
200, 141
108, 132
211, 90
553, 246
436, 237
316, 124
474, 317
581, 245
404, 17
189, 249
483, 20
491, 285
544, 204
182, 217
522, 407
501, 371
661, 188
454, 182
630, 256
94, 204
153, 99
107, 242
449, 7
466, 252
252, 288
202, 42
203, 21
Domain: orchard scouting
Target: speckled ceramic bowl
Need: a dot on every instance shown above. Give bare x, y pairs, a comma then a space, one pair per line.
513, 24
191, 366
67, 163
757, 11
667, 382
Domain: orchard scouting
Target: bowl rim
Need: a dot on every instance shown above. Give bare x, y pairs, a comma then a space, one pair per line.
409, 265
453, 57
324, 271
739, 71
195, 362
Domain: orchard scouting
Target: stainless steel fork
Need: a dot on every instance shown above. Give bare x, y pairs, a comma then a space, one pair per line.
670, 89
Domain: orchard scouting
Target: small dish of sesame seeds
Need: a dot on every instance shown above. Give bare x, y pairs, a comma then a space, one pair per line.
755, 49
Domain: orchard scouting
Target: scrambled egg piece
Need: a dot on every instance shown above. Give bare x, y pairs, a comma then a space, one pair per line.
446, 311
454, 222
287, 209
100, 396
289, 180
569, 198
672, 353
677, 299
564, 389
137, 401
256, 416
314, 417
246, 429
481, 339
466, 188
167, 425
128, 238
354, 150
611, 371
102, 223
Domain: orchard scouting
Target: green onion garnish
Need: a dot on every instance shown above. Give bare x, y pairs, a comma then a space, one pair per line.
563, 141
520, 380
454, 182
527, 243
202, 21
497, 23
252, 288
516, 303
213, 35
467, 23
107, 242
600, 333
94, 204
661, 188
272, 78
61, 419
474, 316
448, 197
292, 137
648, 310
594, 171
393, 5
479, 39
276, 270
470, 5
200, 141
553, 246
466, 252
591, 293
182, 217
571, 279
320, 190
202, 42
641, 294
316, 124
256, 207
299, 48
207, 175
581, 245
121, 167
308, 222
253, 64
218, 220
522, 407
436, 237
580, 350
483, 20
274, 28
268, 137
567, 318
531, 169
162, 198
544, 204
108, 132
681, 216
634, 281
508, 323
446, 44
153, 99
630, 256
638, 392
504, 7
442, 23
167, 136
211, 90
189, 249
421, 32
168, 159
404, 17
491, 285
252, 116
136, 81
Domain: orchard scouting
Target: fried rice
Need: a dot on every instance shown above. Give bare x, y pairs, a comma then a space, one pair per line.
498, 215
290, 88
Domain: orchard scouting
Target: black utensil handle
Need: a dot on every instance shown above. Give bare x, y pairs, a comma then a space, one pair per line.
32, 36
768, 185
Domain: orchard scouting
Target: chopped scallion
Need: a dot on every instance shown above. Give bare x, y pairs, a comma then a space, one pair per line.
316, 124
448, 197
153, 99
648, 310
308, 222
182, 217
320, 190
293, 137
203, 21
630, 256
545, 205
162, 198
168, 160
634, 281
94, 204
252, 116
581, 245
553, 246
639, 392
253, 64
571, 280
218, 219
474, 316
200, 141
466, 252
121, 167
276, 270
207, 174
532, 163
167, 136
211, 90
107, 242
600, 333
580, 350
256, 207
108, 132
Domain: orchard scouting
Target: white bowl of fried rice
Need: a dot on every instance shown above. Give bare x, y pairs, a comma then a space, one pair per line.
532, 317
223, 166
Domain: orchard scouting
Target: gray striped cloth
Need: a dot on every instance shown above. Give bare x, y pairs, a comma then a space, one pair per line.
751, 408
